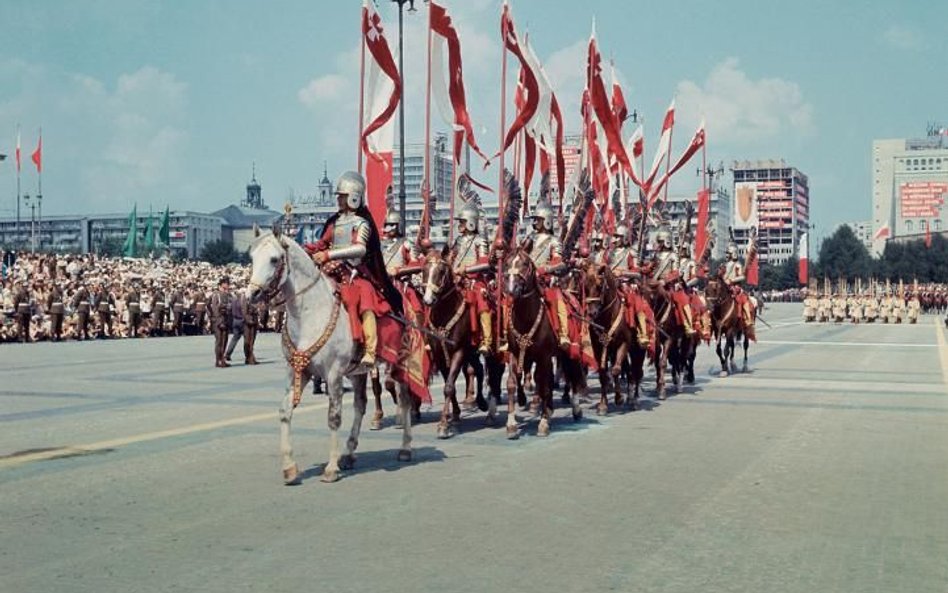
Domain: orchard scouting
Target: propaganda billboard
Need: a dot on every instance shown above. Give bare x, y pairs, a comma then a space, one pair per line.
745, 205
922, 199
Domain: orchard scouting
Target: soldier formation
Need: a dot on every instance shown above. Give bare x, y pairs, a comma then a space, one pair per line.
878, 303
47, 297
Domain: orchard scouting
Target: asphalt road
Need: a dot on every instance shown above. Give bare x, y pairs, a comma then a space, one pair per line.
138, 466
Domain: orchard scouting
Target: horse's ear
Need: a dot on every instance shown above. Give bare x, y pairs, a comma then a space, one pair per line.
256, 230
276, 229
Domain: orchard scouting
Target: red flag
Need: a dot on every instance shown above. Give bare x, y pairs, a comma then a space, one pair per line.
664, 143
752, 271
18, 149
442, 26
697, 142
619, 108
882, 233
374, 39
701, 233
38, 154
532, 87
560, 158
803, 275
928, 234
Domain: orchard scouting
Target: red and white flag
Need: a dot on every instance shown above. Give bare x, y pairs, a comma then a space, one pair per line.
382, 93
37, 155
696, 144
664, 143
928, 234
882, 233
447, 80
18, 164
803, 251
701, 230
619, 108
530, 83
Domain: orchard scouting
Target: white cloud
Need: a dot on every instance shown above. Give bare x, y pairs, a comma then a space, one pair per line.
742, 111
319, 91
904, 38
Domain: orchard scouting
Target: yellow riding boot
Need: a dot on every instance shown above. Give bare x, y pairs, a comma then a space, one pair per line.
371, 338
748, 316
486, 335
689, 321
564, 321
643, 329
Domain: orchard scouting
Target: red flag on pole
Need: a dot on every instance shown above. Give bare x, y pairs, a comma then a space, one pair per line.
18, 165
38, 154
803, 275
531, 86
664, 143
701, 233
382, 63
696, 144
928, 234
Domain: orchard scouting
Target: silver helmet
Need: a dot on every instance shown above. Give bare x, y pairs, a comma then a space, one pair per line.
393, 222
351, 185
732, 251
663, 238
470, 216
544, 212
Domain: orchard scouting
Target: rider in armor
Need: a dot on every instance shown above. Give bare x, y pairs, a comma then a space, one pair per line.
624, 264
470, 262
350, 237
734, 277
545, 251
400, 262
665, 270
597, 250
688, 276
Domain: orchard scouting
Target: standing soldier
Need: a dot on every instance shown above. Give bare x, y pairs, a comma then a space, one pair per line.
21, 305
221, 320
56, 310
177, 311
350, 237
251, 316
546, 252
469, 257
158, 312
104, 305
82, 304
236, 326
133, 304
200, 310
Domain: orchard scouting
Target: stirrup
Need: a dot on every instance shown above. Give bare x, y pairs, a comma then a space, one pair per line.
564, 342
484, 348
368, 361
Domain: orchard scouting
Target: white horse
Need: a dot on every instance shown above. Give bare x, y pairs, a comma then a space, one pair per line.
316, 340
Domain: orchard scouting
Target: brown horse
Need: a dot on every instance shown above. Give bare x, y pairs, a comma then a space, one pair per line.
672, 346
726, 324
532, 343
614, 343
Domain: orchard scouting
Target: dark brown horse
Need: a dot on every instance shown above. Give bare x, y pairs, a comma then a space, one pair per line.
614, 343
672, 346
726, 324
532, 343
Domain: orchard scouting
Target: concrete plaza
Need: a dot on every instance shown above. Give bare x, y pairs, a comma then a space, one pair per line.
138, 466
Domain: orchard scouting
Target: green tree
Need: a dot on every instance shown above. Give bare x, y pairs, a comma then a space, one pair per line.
842, 254
219, 253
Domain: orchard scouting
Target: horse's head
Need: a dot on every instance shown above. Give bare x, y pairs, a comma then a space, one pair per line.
521, 275
597, 288
436, 276
268, 258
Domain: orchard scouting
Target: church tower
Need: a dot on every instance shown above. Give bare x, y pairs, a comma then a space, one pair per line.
254, 197
325, 188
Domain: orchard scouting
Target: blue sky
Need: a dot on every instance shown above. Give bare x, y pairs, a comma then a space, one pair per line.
169, 103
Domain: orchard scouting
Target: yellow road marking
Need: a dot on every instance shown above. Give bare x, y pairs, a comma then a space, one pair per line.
942, 349
145, 437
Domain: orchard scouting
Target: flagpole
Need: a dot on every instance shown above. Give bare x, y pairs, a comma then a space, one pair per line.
500, 184
426, 181
668, 158
18, 157
361, 91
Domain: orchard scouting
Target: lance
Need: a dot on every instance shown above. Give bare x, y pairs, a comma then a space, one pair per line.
764, 321
423, 330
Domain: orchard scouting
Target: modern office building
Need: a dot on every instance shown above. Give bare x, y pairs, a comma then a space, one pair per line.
909, 187
863, 231
774, 198
719, 215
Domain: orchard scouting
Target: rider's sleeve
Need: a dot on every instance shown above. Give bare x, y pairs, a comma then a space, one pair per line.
482, 263
356, 249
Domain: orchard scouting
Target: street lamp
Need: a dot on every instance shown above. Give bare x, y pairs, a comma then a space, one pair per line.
401, 113
32, 206
711, 172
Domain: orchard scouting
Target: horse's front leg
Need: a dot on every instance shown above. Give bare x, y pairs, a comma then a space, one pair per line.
451, 411
334, 421
543, 380
602, 408
359, 404
291, 471
661, 367
720, 353
478, 367
405, 401
514, 377
379, 414
621, 354
731, 350
746, 345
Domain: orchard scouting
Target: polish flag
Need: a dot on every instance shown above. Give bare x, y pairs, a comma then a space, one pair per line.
928, 234
882, 233
530, 82
804, 255
18, 164
663, 145
696, 144
37, 155
701, 232
383, 92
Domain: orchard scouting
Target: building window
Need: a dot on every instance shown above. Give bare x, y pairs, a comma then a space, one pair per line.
937, 225
908, 226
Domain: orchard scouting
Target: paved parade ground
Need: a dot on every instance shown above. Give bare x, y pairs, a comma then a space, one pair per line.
138, 466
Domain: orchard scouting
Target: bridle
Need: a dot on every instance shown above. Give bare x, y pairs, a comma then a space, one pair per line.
272, 288
430, 268
526, 278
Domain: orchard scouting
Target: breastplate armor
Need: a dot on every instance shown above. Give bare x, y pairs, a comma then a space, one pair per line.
544, 246
665, 263
349, 229
732, 270
467, 250
619, 260
688, 269
392, 254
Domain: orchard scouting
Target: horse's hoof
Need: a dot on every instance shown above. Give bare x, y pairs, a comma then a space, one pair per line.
602, 409
416, 417
744, 369
347, 462
662, 395
482, 404
404, 455
292, 476
513, 433
619, 401
490, 420
376, 423
445, 431
723, 374
467, 404
329, 476
566, 400
543, 430
577, 415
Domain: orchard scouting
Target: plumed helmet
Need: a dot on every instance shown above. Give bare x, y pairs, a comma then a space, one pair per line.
392, 219
663, 238
732, 250
351, 185
470, 216
596, 237
621, 231
684, 249
544, 212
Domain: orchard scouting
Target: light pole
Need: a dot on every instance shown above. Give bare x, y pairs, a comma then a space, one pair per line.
39, 224
401, 113
32, 206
